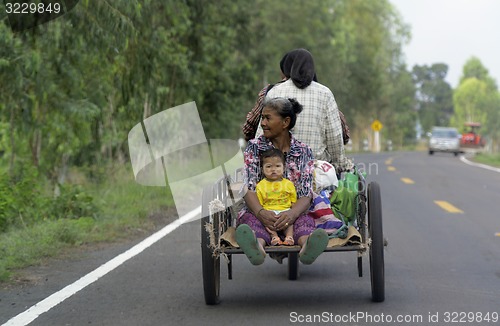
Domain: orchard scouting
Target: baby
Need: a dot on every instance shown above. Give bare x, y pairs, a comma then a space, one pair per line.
276, 193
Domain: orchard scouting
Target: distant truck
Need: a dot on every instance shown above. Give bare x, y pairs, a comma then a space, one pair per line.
471, 141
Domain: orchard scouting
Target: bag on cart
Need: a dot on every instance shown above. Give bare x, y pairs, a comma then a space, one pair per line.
343, 199
324, 176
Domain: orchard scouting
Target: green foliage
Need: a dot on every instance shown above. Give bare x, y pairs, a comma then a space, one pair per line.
73, 203
474, 68
123, 209
24, 201
434, 95
471, 101
82, 81
477, 100
19, 198
400, 121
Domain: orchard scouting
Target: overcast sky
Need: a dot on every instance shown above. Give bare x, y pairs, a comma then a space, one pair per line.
452, 31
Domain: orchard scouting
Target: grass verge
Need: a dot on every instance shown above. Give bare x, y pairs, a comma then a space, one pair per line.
127, 209
489, 159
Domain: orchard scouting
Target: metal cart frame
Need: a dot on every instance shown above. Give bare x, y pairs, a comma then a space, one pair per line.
215, 222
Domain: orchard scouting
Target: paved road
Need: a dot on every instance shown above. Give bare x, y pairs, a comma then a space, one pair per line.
442, 223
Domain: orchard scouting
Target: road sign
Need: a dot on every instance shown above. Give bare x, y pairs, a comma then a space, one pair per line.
376, 125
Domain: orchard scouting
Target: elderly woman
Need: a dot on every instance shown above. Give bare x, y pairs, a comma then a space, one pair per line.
278, 117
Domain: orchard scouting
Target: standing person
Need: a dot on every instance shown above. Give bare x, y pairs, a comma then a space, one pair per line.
319, 125
275, 193
278, 117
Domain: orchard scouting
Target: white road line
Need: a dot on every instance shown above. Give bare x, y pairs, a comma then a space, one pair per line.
484, 166
50, 302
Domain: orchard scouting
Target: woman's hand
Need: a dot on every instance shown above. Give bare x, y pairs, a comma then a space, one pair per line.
287, 218
268, 218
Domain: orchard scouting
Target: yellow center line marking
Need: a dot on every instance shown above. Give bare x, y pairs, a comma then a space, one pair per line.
408, 181
447, 206
391, 168
388, 161
497, 234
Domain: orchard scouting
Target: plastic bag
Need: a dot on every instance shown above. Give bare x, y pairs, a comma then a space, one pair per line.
343, 199
325, 176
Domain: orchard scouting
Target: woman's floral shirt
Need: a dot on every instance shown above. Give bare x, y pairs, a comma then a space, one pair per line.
299, 165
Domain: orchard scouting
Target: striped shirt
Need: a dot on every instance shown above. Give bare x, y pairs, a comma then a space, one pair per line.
318, 125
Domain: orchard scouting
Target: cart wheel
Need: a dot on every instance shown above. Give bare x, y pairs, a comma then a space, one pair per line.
293, 266
210, 264
377, 244
360, 266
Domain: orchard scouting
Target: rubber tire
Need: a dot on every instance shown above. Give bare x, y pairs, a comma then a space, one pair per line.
377, 244
293, 266
210, 264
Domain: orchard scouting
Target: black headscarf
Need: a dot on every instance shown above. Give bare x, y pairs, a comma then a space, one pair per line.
299, 66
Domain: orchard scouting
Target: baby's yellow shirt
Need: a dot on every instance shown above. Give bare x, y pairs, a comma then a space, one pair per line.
276, 195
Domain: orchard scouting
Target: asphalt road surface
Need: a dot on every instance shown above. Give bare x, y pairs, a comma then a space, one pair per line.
442, 266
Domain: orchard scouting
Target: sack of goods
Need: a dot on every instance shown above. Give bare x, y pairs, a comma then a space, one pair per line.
325, 176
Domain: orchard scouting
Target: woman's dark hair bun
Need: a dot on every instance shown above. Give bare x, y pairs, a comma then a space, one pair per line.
285, 107
296, 106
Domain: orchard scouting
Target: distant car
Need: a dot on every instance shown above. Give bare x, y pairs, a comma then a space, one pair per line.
444, 139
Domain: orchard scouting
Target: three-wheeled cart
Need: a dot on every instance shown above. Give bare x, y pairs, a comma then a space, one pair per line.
219, 214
